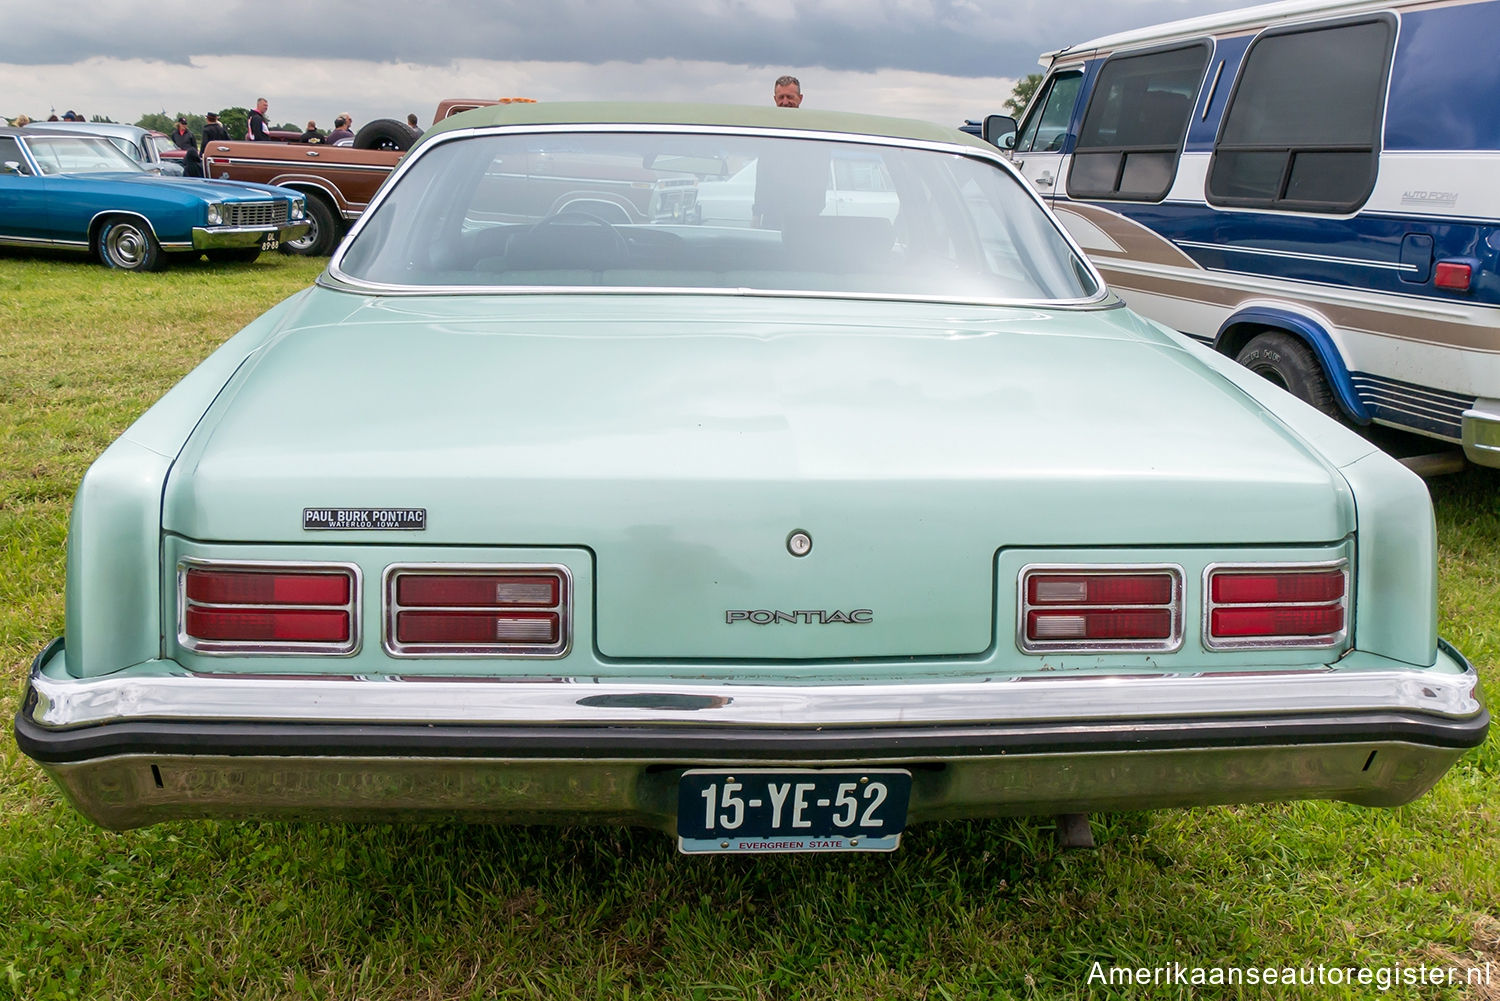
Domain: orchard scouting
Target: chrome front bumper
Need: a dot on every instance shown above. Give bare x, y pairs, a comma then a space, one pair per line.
134, 751
1481, 433
231, 237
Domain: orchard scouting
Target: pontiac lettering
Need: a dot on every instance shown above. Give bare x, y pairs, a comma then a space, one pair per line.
802, 616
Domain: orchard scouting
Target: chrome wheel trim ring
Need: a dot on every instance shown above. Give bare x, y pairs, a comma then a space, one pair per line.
126, 244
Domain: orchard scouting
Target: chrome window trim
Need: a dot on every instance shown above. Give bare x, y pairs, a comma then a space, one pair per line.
271, 648
564, 608
335, 276
1321, 642
1171, 644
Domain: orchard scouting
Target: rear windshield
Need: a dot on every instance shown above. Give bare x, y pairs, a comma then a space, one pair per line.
649, 210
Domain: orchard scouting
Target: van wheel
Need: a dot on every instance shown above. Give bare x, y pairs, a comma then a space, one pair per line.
1288, 362
322, 231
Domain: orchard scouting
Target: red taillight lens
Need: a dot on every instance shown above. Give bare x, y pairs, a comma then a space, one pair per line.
264, 609
285, 625
1277, 621
480, 590
237, 587
1104, 624
476, 627
1277, 606
1100, 609
521, 610
1077, 589
1262, 588
1454, 276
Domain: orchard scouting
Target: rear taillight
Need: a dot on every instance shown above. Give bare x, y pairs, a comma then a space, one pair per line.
520, 611
1276, 606
268, 608
1100, 608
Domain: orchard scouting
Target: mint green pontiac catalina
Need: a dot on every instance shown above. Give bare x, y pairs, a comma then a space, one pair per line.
552, 502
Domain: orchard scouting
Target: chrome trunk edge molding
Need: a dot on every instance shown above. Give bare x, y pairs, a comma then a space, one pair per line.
60, 704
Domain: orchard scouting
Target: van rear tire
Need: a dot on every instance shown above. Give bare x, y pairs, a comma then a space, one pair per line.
1288, 362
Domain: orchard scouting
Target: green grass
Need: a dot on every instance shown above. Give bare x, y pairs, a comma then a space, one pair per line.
963, 910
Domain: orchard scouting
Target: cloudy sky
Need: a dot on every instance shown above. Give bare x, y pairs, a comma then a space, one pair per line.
940, 60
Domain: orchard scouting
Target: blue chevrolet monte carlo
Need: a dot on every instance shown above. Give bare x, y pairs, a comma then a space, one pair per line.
67, 191
548, 504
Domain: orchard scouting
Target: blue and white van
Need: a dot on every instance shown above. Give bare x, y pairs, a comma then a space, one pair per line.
1311, 186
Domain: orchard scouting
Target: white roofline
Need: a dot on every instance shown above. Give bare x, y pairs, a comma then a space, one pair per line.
1246, 18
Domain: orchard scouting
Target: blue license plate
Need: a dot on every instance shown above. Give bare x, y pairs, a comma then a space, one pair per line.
791, 810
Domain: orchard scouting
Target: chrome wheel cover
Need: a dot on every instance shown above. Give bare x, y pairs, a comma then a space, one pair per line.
127, 245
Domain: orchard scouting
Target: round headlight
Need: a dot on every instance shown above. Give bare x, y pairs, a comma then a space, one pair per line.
299, 208
215, 214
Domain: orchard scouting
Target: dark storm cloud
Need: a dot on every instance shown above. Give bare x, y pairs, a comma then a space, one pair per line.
962, 38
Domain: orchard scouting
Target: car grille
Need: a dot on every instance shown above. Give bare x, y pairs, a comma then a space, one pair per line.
255, 213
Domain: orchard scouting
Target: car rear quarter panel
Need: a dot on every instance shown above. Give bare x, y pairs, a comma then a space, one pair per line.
1396, 551
114, 537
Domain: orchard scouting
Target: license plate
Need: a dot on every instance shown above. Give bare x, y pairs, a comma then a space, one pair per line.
791, 810
270, 243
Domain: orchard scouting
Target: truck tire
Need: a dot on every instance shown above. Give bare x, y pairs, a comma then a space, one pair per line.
1288, 362
385, 133
322, 231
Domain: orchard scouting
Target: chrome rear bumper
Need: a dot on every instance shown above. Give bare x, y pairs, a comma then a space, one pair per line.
136, 751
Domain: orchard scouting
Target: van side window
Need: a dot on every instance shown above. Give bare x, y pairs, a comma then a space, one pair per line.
1302, 130
1047, 128
1133, 130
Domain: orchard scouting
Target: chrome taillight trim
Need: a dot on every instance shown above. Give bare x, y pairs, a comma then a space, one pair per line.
1322, 641
270, 648
1169, 645
563, 609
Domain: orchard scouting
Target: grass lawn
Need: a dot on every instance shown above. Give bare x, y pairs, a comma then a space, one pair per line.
963, 910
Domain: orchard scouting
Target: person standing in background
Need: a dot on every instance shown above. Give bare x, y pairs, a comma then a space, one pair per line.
340, 131
257, 130
183, 139
213, 131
